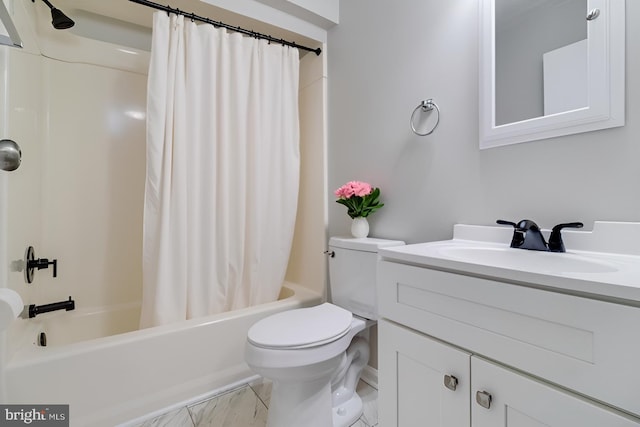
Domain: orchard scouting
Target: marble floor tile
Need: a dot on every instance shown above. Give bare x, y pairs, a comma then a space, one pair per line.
178, 418
262, 387
369, 396
247, 407
240, 407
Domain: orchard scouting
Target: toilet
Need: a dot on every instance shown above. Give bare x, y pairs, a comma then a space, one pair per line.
315, 355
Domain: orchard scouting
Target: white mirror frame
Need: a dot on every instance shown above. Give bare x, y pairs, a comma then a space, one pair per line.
606, 82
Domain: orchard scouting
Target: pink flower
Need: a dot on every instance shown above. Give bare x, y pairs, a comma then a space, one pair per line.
344, 192
361, 189
359, 198
353, 188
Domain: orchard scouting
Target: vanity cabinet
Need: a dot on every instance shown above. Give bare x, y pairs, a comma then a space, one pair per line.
422, 381
545, 358
520, 401
425, 382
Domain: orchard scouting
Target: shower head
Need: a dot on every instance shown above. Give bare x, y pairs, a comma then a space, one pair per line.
59, 20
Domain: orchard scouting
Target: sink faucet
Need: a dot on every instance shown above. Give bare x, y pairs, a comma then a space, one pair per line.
527, 235
555, 240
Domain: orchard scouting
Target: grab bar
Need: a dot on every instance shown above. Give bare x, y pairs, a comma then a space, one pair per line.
34, 310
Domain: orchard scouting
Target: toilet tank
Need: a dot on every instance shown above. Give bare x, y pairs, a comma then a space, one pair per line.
352, 273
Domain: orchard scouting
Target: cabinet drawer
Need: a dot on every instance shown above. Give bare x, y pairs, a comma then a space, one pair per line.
586, 345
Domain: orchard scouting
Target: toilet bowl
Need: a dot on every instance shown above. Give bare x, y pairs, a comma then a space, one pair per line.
308, 364
315, 355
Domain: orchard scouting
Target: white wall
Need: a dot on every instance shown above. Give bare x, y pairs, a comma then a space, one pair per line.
93, 184
77, 197
307, 263
305, 24
328, 9
385, 57
25, 88
3, 214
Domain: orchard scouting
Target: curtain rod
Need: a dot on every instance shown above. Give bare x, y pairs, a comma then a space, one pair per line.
251, 33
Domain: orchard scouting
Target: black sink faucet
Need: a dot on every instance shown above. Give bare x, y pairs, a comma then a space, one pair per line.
555, 240
527, 235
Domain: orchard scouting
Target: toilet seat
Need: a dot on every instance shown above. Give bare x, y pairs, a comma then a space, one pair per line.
301, 328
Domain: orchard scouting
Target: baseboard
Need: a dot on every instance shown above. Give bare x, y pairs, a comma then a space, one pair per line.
370, 376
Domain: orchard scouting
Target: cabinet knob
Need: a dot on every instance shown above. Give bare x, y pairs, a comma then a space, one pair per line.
483, 399
450, 382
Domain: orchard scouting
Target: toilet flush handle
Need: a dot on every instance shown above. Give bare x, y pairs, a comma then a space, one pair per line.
330, 253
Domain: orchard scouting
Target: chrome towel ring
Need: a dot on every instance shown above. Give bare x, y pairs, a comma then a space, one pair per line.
425, 106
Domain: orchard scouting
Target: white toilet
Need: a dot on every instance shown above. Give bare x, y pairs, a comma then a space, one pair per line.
313, 355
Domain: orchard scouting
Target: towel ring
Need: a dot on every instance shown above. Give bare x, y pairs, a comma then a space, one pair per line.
426, 105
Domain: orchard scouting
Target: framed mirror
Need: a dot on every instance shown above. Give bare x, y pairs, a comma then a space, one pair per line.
8, 34
550, 68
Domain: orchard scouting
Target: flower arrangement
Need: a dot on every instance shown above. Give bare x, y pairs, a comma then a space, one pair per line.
360, 198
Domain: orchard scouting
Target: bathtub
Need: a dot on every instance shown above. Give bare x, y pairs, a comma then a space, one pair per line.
110, 373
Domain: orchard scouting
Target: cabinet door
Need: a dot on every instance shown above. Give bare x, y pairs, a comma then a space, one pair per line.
520, 401
417, 379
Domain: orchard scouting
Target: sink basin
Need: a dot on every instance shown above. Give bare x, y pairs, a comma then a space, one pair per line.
526, 260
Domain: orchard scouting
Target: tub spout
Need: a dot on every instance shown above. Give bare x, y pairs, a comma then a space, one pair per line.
34, 310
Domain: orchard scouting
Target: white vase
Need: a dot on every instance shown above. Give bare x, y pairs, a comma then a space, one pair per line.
360, 227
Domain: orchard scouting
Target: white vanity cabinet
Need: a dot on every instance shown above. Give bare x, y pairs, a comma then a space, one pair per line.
522, 356
520, 401
423, 382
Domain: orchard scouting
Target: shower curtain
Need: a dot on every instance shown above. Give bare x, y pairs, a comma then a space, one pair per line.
222, 170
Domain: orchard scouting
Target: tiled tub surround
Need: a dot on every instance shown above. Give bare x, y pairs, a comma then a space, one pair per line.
244, 406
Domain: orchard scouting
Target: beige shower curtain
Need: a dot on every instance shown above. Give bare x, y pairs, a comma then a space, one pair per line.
222, 170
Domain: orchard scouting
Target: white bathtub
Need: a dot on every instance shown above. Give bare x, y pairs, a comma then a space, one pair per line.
108, 380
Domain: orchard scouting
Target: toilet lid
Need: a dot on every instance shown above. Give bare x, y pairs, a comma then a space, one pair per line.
303, 327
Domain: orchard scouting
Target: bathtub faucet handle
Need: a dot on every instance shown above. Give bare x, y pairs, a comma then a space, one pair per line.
41, 263
32, 263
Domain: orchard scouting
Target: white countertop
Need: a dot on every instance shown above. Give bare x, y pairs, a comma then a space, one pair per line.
604, 262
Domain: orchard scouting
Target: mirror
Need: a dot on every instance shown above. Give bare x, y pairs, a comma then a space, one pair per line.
550, 68
8, 33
